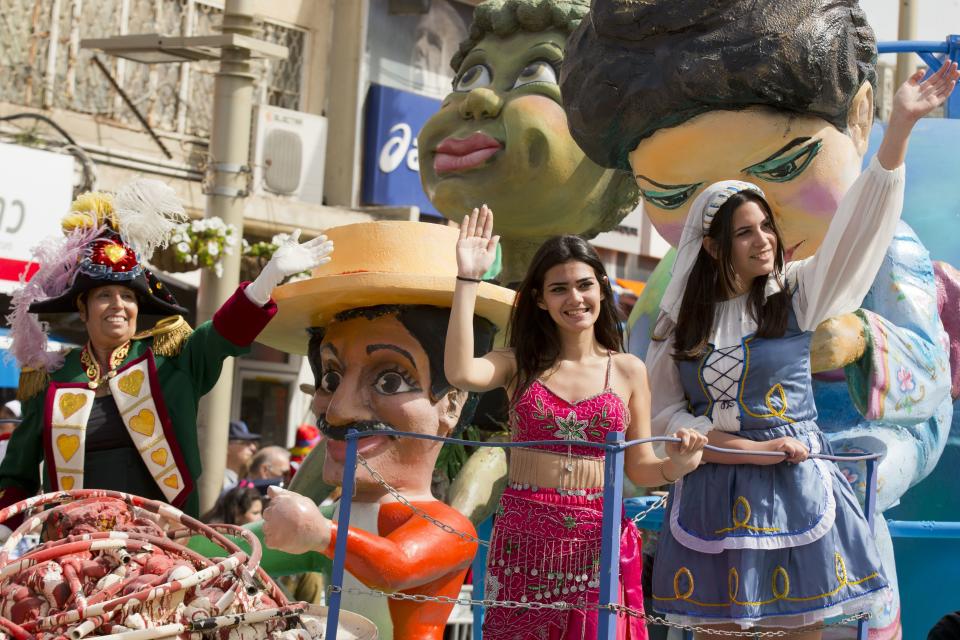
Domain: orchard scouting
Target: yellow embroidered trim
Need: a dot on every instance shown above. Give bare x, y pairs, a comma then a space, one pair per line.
32, 383
168, 335
779, 586
780, 413
686, 573
777, 388
741, 523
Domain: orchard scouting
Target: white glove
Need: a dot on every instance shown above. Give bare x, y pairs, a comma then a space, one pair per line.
289, 258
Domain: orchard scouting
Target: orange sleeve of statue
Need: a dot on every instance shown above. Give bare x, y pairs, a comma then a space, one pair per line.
413, 551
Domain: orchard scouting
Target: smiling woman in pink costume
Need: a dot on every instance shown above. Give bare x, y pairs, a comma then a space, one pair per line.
569, 382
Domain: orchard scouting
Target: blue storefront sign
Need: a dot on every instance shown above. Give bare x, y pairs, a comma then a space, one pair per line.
9, 371
391, 175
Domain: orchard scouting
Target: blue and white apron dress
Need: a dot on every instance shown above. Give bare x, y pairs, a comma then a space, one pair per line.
782, 545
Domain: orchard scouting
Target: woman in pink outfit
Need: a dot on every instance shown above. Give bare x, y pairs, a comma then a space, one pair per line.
570, 382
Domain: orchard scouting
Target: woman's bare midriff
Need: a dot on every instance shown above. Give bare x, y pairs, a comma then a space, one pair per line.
548, 470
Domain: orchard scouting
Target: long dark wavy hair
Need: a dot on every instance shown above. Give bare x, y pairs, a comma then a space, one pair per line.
713, 280
532, 333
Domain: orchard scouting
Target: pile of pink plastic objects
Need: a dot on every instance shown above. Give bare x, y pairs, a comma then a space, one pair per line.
112, 564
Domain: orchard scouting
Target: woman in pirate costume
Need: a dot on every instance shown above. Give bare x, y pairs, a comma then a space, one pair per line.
121, 412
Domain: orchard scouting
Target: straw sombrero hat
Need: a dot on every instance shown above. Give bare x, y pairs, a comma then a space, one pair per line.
377, 263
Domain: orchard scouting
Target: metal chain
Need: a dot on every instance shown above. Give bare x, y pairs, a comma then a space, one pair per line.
656, 505
616, 608
444, 526
420, 512
514, 604
777, 633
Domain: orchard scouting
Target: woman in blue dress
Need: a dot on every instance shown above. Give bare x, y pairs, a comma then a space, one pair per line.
768, 542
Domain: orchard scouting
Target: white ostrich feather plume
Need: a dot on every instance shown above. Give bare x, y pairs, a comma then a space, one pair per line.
147, 211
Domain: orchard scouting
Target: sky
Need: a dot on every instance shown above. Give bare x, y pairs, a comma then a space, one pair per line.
935, 18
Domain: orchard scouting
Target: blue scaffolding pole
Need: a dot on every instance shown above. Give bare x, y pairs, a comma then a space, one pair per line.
928, 51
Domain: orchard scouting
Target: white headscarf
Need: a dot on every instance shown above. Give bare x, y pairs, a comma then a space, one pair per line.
695, 229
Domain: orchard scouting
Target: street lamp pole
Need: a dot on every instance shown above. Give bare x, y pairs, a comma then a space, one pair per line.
906, 30
226, 183
228, 173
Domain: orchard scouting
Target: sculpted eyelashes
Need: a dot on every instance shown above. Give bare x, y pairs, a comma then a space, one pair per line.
788, 163
667, 196
544, 71
395, 380
475, 77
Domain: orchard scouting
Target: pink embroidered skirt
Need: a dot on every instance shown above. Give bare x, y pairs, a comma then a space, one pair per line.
546, 549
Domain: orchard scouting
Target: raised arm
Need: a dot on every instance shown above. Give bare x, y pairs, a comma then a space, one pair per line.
476, 251
838, 276
914, 99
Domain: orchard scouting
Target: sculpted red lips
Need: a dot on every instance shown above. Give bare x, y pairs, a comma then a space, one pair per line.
460, 154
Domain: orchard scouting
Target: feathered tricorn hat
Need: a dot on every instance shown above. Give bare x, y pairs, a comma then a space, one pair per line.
105, 238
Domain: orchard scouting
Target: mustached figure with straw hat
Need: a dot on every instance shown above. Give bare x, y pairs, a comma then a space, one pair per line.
373, 325
121, 412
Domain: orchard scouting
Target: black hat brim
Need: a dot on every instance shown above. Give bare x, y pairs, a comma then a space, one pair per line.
147, 302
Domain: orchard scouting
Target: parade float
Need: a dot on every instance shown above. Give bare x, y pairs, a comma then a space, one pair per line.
902, 411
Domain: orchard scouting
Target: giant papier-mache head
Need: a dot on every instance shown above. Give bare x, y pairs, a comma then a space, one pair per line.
635, 68
501, 137
373, 324
685, 94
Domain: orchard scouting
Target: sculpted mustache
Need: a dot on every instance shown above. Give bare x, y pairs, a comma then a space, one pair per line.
339, 432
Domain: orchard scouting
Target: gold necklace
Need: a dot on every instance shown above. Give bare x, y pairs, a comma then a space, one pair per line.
92, 367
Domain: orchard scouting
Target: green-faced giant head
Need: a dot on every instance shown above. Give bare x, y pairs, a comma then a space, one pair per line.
501, 136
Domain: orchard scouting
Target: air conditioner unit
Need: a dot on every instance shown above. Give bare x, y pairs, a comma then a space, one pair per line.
289, 150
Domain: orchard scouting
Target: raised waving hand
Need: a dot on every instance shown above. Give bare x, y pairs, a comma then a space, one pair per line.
476, 246
914, 99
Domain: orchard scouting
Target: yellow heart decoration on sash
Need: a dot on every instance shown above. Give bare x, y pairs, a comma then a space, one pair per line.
70, 403
68, 446
159, 457
130, 384
172, 481
66, 483
143, 422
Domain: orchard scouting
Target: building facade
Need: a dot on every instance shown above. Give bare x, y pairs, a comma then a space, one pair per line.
324, 152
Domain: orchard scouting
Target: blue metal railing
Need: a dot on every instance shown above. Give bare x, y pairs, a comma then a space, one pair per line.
614, 447
927, 50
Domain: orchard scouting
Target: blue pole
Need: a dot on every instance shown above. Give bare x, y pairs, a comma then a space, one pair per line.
923, 529
484, 532
927, 49
343, 526
869, 510
610, 535
911, 46
952, 108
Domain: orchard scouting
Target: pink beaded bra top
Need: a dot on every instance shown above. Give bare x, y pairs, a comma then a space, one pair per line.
541, 414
